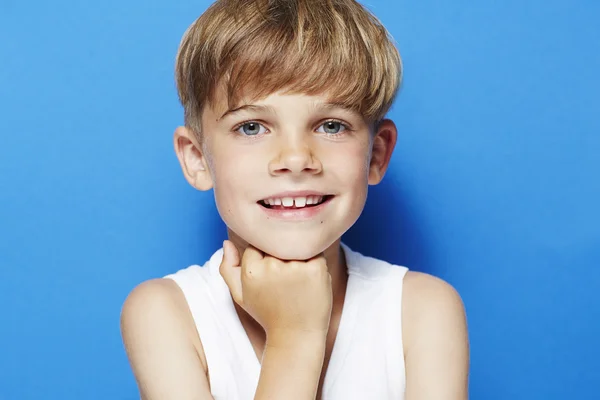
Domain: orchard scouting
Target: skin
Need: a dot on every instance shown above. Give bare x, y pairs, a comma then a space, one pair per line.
295, 149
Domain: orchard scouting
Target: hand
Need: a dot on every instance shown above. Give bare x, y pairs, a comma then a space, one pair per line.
288, 297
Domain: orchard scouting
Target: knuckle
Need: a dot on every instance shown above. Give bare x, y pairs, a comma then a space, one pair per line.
315, 269
237, 298
271, 262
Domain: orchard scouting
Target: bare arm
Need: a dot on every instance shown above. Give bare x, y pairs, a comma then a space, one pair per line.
291, 367
292, 301
436, 340
156, 333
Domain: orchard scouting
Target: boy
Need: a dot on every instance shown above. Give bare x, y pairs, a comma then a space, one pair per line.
284, 106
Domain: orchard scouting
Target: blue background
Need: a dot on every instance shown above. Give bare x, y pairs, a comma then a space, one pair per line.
493, 186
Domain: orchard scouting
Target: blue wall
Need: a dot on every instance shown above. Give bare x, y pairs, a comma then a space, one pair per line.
494, 185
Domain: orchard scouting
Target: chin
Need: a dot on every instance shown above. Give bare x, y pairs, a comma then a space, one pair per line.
290, 248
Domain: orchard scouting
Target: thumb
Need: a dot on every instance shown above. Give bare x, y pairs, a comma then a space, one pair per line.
231, 271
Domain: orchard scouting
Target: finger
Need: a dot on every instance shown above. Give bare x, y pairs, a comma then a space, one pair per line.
317, 257
251, 255
231, 272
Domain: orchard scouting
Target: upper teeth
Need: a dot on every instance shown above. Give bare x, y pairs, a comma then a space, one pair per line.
294, 201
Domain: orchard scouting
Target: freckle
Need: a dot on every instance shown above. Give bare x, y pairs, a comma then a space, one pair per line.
321, 221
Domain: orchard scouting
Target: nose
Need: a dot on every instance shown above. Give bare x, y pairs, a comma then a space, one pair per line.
294, 156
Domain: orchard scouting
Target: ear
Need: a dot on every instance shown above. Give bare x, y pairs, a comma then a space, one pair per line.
192, 160
384, 142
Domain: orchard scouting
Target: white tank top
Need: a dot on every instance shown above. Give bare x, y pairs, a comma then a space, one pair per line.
367, 360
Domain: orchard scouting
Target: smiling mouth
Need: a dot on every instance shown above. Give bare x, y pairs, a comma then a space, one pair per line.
288, 203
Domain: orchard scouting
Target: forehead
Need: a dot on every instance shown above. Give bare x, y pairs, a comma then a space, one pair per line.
222, 106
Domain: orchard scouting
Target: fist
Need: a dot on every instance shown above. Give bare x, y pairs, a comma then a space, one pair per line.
282, 296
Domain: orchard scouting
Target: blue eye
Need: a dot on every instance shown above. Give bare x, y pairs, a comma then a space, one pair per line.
332, 127
251, 129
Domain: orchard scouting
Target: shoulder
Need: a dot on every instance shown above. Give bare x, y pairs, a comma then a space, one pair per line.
153, 299
162, 297
156, 311
427, 293
429, 302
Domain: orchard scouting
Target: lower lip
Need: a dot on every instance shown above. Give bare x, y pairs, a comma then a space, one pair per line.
296, 214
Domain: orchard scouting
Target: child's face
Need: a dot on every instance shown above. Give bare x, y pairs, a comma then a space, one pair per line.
287, 143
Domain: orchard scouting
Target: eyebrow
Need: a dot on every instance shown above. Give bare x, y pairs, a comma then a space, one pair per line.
271, 110
249, 107
328, 106
333, 106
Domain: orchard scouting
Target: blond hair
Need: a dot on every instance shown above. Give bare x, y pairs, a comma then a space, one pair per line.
253, 48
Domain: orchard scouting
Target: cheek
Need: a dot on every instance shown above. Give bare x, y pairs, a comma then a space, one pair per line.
228, 164
351, 164
234, 176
